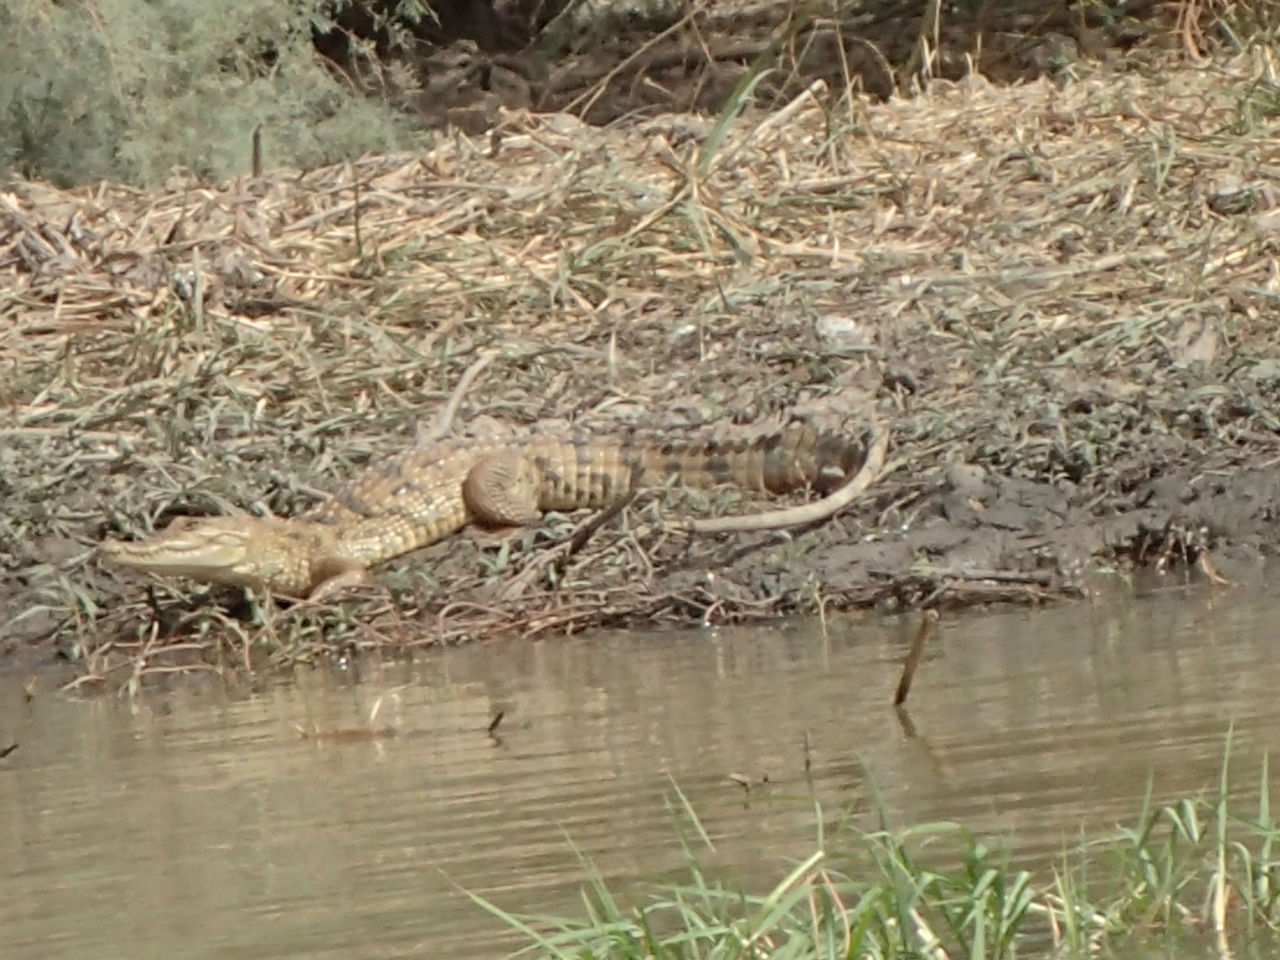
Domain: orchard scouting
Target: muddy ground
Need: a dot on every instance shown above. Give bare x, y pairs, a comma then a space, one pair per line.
1059, 296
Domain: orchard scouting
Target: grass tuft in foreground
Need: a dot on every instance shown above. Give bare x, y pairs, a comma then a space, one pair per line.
1193, 870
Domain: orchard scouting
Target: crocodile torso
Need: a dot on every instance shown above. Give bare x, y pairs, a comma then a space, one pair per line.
435, 490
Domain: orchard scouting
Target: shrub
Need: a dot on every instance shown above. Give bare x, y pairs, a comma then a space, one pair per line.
127, 90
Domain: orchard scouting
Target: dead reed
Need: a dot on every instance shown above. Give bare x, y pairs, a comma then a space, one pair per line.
1062, 284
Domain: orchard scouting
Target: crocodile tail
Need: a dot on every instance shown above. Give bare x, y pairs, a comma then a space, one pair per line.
796, 457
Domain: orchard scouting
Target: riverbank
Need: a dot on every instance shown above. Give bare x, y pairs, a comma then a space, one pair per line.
1060, 297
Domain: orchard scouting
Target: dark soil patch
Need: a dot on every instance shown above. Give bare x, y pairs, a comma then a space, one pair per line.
604, 62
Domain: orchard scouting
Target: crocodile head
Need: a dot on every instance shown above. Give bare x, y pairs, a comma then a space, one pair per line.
209, 549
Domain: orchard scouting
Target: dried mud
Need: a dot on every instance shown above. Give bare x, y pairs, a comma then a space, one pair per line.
1063, 305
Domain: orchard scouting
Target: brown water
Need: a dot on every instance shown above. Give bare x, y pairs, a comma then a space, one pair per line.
191, 824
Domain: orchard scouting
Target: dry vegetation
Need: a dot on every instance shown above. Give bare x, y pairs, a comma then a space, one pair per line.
1061, 295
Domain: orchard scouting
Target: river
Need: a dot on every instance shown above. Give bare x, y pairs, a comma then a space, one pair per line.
195, 822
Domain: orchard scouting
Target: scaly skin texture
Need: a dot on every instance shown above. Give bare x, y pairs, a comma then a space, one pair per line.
433, 491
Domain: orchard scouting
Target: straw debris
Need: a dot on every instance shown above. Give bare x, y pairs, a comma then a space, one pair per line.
1061, 297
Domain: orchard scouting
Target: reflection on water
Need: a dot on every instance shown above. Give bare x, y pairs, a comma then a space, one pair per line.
190, 823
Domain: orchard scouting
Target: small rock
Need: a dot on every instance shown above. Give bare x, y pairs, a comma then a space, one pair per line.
840, 332
969, 480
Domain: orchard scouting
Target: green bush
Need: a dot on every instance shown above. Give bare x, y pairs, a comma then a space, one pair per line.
127, 90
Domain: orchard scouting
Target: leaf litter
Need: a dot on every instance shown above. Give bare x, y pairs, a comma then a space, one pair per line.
1059, 296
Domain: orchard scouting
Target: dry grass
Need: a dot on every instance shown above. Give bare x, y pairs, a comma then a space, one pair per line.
1072, 283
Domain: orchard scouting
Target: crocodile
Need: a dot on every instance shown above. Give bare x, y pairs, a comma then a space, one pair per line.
435, 490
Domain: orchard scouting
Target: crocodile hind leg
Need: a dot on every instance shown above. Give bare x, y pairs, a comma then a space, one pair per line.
501, 492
